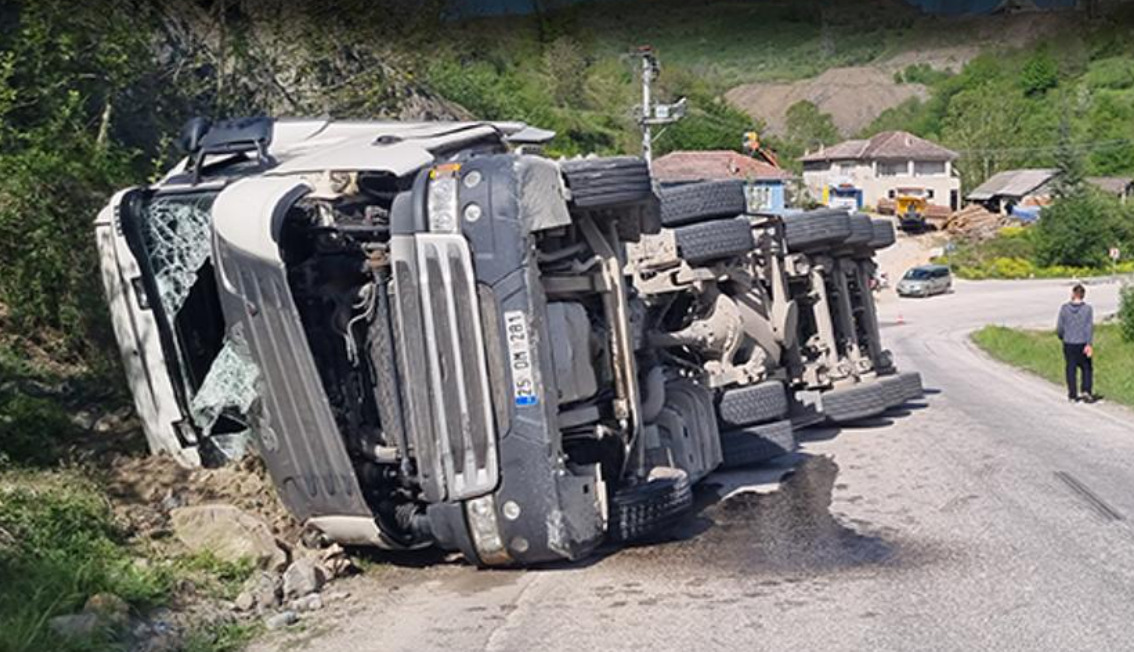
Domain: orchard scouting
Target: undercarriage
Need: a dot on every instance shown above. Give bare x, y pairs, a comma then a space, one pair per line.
488, 351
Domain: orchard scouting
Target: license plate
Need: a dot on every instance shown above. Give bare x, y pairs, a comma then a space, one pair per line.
520, 358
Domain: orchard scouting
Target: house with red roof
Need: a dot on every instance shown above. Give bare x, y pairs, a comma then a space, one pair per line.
892, 164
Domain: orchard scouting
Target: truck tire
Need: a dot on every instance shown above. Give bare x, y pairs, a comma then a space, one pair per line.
883, 234
697, 202
861, 230
756, 444
816, 230
745, 406
598, 183
854, 403
910, 386
641, 510
714, 240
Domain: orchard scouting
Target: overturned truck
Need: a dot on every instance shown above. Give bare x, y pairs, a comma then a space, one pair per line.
434, 338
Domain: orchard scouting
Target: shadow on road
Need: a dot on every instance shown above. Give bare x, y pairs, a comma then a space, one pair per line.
775, 517
790, 530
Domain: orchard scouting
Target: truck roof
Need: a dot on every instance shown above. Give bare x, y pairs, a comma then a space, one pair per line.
310, 145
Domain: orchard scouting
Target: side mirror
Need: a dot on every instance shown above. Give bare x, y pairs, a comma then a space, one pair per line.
193, 133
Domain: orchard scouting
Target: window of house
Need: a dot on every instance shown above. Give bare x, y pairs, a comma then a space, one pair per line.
845, 167
929, 168
892, 169
816, 166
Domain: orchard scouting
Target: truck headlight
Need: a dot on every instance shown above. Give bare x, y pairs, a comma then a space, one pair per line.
442, 206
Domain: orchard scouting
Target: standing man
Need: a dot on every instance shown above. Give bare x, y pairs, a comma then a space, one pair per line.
1076, 328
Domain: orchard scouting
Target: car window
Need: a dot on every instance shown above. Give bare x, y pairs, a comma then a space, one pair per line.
917, 275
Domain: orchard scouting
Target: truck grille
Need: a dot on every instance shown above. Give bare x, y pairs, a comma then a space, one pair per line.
442, 366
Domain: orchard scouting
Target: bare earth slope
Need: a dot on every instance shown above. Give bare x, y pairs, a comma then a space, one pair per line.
854, 96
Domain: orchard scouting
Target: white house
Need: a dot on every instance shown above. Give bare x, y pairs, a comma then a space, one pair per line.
889, 165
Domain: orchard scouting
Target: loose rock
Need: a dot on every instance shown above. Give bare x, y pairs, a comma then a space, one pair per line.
313, 602
303, 577
281, 620
228, 533
262, 591
74, 625
110, 610
336, 561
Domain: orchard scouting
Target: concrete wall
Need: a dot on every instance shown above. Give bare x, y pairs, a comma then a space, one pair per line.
864, 175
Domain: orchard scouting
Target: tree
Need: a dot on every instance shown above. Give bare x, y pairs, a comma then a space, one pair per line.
1069, 181
1077, 230
807, 127
1040, 74
566, 69
984, 123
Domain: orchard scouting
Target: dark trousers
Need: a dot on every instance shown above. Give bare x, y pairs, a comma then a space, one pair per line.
1076, 359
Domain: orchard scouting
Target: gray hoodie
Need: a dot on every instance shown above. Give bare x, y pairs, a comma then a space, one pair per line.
1076, 323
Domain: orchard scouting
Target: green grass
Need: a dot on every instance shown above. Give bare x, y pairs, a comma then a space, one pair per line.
1041, 353
221, 637
58, 546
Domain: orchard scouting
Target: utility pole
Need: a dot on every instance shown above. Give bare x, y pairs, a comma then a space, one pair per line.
650, 114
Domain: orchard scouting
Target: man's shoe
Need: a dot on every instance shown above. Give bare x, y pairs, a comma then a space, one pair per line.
1073, 399
1089, 398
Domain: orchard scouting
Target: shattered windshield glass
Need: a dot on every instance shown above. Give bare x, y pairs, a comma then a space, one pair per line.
230, 383
176, 233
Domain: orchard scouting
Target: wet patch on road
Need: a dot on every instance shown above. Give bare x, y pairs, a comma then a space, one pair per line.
790, 531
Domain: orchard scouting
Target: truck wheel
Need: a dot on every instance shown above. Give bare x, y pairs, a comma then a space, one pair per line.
854, 403
756, 444
816, 230
883, 234
902, 387
642, 510
909, 385
754, 404
861, 230
597, 183
697, 202
698, 243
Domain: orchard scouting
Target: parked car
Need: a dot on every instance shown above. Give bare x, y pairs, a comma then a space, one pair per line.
433, 339
925, 281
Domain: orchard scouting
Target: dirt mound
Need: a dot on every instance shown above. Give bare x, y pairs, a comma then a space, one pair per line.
854, 97
144, 489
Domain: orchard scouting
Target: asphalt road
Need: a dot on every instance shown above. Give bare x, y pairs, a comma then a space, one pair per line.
993, 515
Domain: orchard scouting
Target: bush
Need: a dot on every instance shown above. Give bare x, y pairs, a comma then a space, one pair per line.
1126, 313
59, 546
1077, 230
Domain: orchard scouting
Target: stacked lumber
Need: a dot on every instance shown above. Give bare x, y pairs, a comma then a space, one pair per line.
975, 223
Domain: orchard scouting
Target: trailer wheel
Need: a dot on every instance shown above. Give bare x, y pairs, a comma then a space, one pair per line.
861, 230
699, 243
853, 403
903, 387
883, 234
744, 406
756, 444
641, 510
697, 202
598, 183
816, 230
